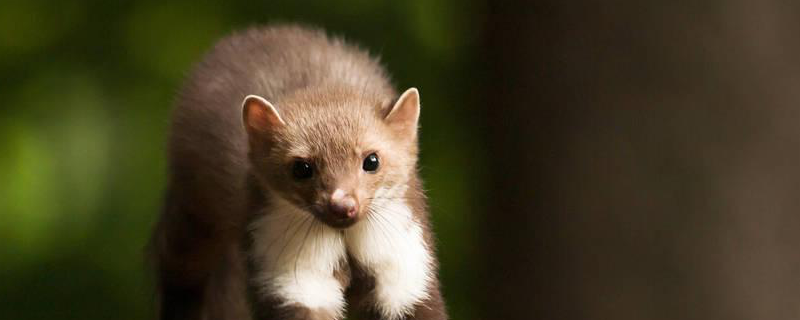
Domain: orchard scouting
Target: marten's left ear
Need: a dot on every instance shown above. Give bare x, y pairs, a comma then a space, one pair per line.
404, 115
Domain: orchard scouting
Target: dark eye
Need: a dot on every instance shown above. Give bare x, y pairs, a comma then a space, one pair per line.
371, 163
302, 170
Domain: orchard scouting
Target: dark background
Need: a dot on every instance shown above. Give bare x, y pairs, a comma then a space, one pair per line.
584, 159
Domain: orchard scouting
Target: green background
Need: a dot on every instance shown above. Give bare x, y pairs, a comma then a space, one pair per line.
86, 89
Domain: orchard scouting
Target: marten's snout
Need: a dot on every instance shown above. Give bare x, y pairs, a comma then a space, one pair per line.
342, 208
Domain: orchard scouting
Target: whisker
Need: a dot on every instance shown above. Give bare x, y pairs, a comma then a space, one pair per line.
292, 238
381, 215
372, 218
285, 232
395, 198
389, 223
302, 246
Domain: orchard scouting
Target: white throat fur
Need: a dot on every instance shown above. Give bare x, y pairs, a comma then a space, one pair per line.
297, 256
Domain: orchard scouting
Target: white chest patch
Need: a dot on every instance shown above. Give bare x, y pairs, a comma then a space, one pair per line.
390, 245
298, 255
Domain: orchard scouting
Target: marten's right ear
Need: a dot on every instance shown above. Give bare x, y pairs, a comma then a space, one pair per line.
404, 116
260, 116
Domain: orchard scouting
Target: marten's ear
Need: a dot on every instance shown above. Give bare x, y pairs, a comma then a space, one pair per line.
260, 116
404, 115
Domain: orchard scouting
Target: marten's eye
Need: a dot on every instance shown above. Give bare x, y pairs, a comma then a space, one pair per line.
302, 170
371, 163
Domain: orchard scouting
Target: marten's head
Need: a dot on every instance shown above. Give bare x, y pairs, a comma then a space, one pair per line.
333, 153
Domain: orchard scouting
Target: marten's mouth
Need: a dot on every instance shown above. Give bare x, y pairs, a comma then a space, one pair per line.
331, 220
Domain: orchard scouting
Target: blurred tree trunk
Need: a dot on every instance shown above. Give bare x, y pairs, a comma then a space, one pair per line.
646, 160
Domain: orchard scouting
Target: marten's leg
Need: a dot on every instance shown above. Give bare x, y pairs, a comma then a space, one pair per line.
196, 259
297, 267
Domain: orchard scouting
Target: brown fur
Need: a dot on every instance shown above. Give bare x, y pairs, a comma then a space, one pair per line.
335, 97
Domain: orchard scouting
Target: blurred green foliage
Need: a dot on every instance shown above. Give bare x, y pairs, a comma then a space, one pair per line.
86, 89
